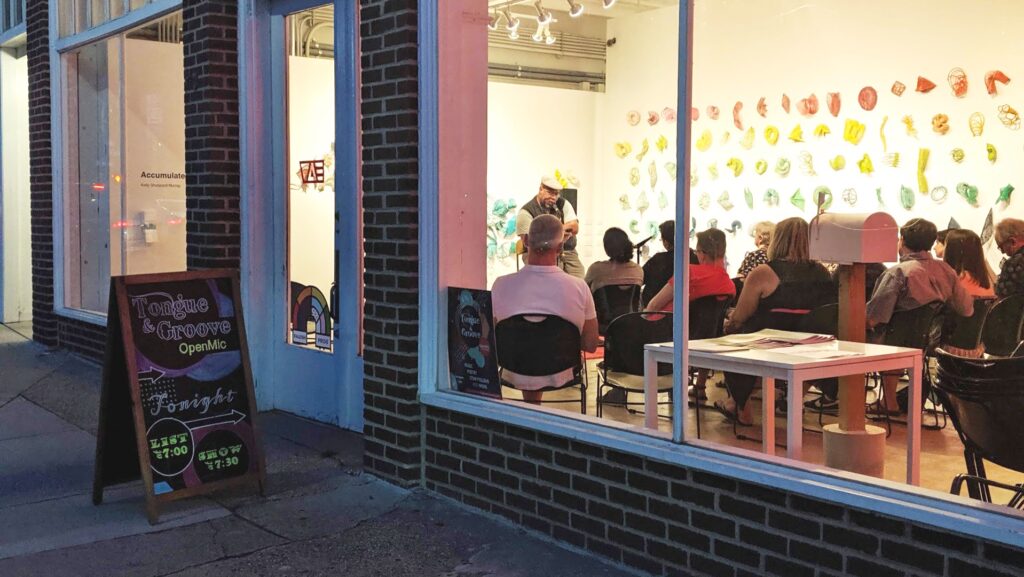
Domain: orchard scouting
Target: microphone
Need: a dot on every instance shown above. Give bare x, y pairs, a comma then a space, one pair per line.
643, 242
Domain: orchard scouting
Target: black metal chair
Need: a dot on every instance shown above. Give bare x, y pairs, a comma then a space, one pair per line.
707, 320
612, 301
985, 400
623, 364
918, 328
823, 320
538, 345
965, 332
1004, 327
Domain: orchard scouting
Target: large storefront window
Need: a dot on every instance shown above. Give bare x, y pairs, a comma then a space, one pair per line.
783, 117
77, 16
125, 160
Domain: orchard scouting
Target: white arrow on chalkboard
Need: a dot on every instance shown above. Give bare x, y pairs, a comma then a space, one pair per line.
234, 417
150, 376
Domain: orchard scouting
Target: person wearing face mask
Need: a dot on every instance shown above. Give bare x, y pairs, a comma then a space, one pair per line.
917, 280
549, 200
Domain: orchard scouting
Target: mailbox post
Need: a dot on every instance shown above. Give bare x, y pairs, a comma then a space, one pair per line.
852, 241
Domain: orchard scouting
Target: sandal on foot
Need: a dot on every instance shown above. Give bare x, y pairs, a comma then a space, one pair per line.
731, 415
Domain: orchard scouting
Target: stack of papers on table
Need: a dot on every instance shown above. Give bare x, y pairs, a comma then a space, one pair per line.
763, 339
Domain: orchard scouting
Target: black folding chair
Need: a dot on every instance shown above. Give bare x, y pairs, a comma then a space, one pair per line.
985, 400
1004, 327
623, 364
612, 301
538, 345
707, 319
918, 328
965, 332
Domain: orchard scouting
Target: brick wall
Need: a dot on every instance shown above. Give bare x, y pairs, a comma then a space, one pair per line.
390, 220
211, 133
668, 520
44, 322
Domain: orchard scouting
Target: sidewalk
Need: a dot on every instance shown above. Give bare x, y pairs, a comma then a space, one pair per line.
322, 515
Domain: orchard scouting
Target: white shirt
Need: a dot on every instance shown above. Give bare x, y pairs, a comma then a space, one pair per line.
544, 290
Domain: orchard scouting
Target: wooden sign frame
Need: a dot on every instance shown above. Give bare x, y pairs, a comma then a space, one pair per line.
121, 418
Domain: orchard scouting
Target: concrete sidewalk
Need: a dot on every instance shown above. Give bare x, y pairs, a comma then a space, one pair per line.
322, 515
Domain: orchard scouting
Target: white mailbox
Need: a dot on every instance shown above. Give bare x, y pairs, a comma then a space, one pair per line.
851, 238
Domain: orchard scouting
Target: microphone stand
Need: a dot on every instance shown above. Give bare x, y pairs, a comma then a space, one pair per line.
640, 245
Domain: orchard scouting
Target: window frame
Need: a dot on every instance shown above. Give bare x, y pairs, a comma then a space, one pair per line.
915, 504
58, 48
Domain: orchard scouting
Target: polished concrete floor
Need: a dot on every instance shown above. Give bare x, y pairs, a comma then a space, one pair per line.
941, 450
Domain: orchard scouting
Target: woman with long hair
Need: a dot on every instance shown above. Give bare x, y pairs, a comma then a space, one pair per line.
963, 252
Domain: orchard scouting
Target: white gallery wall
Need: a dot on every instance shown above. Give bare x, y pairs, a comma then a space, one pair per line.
747, 50
15, 225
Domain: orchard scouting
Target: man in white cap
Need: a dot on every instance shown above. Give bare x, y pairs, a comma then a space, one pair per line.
549, 200
540, 287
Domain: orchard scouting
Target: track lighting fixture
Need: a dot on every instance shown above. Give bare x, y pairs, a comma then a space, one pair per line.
543, 16
549, 38
538, 36
492, 22
608, 3
575, 8
511, 23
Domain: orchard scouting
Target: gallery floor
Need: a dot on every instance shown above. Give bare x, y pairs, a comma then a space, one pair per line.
941, 450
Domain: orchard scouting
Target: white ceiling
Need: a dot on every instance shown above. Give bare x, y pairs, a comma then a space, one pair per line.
590, 7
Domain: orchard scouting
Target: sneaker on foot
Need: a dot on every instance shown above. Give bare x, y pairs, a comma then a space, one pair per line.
823, 404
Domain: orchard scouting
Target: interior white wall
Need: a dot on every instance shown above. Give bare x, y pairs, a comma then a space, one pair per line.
155, 144
15, 219
310, 137
533, 131
743, 51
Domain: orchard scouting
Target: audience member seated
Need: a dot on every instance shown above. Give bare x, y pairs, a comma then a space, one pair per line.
762, 239
1009, 237
775, 295
541, 287
918, 280
707, 278
619, 269
659, 268
965, 255
939, 248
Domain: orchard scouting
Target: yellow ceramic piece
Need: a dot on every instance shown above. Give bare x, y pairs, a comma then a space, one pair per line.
908, 121
622, 149
797, 134
704, 141
661, 143
892, 159
881, 133
725, 137
958, 155
771, 135
713, 171
760, 166
922, 164
865, 165
838, 163
735, 165
940, 123
748, 138
822, 130
644, 149
976, 123
991, 150
853, 131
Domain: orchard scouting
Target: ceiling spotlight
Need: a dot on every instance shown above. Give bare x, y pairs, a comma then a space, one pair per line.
511, 22
513, 34
538, 36
492, 23
549, 39
608, 3
575, 8
543, 16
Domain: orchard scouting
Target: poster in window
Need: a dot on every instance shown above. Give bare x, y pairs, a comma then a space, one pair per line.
472, 362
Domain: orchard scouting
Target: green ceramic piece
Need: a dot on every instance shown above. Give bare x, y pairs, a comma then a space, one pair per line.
823, 198
652, 230
771, 197
704, 201
693, 226
1004, 195
724, 202
850, 196
748, 197
968, 192
713, 223
662, 200
878, 195
624, 202
735, 227
634, 226
670, 169
797, 200
782, 167
939, 194
906, 197
642, 203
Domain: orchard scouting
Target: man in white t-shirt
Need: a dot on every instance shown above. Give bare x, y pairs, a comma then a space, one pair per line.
549, 200
542, 287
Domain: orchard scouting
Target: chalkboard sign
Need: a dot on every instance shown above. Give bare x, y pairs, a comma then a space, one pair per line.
472, 362
177, 381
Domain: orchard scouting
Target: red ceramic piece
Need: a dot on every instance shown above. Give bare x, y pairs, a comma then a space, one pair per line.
867, 98
834, 103
924, 85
